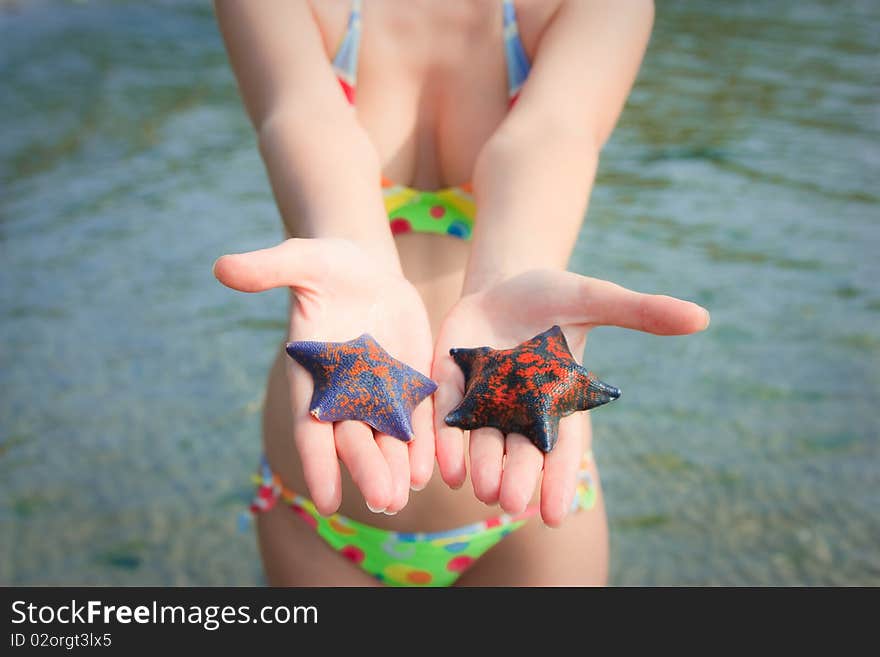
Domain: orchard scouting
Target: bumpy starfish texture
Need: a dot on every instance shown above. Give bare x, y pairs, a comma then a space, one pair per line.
359, 380
526, 389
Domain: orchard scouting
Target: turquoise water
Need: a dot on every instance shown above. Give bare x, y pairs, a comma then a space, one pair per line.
743, 176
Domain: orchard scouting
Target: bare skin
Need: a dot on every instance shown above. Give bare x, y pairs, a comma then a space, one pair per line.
432, 112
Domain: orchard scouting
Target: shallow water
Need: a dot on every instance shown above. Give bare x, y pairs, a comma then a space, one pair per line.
743, 175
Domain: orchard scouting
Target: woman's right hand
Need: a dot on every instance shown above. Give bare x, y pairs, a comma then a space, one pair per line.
339, 293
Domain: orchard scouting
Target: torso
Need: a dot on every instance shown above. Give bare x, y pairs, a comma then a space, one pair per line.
432, 82
431, 89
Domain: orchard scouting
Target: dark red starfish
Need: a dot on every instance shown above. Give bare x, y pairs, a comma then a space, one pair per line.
526, 389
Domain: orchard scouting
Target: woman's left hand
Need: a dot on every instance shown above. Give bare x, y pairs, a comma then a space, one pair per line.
502, 316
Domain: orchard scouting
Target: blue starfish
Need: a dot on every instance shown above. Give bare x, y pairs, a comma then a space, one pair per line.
359, 380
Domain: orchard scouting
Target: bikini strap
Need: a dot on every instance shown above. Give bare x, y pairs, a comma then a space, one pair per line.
345, 63
517, 61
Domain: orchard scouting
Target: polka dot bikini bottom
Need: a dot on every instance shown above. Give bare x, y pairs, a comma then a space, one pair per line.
400, 558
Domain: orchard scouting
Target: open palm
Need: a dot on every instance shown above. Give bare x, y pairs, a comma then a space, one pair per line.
506, 469
339, 293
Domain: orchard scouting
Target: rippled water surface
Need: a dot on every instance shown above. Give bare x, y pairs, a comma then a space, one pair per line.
743, 175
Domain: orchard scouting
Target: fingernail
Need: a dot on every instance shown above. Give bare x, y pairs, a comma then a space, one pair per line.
418, 488
390, 513
374, 510
708, 319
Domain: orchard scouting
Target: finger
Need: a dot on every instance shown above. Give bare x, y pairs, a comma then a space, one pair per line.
560, 470
421, 448
606, 303
294, 262
396, 455
314, 442
521, 469
358, 450
580, 299
450, 440
487, 458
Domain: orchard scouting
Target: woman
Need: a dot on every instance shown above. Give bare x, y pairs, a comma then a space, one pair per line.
500, 110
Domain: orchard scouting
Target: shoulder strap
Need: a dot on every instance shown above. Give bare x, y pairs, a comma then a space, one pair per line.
518, 65
345, 62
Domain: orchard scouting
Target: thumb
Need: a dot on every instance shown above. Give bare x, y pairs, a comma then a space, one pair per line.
293, 263
605, 303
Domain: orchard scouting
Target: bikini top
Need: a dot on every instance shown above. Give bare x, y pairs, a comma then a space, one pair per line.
448, 211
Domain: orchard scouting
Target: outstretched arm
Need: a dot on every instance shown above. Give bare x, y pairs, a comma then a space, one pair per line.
533, 178
532, 181
345, 277
309, 136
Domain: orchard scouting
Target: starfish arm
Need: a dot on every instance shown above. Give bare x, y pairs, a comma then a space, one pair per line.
420, 388
427, 386
465, 358
363, 342
326, 407
395, 423
552, 341
593, 392
404, 395
544, 433
310, 351
463, 416
313, 357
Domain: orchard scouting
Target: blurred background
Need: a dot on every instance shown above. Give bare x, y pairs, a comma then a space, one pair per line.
743, 175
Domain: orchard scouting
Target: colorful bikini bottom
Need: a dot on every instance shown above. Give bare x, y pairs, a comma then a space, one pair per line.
405, 558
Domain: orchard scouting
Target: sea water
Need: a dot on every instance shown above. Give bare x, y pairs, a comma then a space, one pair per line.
743, 175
